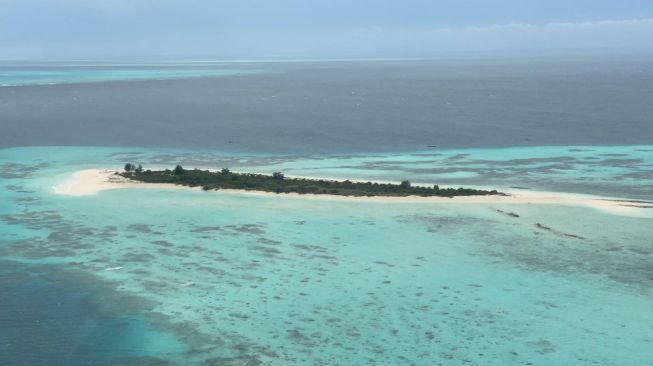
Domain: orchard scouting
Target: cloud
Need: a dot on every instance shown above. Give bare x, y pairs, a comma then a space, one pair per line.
622, 23
517, 36
378, 41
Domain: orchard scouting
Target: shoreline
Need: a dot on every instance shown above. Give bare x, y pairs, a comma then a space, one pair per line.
92, 181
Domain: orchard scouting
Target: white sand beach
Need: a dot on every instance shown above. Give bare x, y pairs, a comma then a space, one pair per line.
92, 181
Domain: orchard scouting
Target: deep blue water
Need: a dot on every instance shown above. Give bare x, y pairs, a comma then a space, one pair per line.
59, 318
336, 107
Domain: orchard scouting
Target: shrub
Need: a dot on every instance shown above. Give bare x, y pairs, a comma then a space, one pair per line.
278, 183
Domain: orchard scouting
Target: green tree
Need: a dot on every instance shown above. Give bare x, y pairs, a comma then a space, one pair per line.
405, 184
225, 171
179, 170
278, 175
129, 167
139, 169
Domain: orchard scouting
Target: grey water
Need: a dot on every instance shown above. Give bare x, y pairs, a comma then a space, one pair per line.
334, 107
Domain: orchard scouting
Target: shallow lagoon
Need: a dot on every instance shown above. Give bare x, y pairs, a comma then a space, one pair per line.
191, 277
49, 74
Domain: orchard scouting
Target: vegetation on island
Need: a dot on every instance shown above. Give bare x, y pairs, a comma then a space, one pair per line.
278, 183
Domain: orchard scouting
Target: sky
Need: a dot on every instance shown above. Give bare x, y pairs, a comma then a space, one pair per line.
317, 28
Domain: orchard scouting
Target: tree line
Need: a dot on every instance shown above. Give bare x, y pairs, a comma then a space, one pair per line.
278, 183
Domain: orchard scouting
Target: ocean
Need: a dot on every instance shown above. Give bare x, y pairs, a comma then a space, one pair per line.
187, 277
335, 107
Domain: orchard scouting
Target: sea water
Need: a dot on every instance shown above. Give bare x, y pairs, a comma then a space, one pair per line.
180, 276
13, 74
333, 107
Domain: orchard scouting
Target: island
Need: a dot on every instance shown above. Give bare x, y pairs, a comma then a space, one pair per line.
278, 183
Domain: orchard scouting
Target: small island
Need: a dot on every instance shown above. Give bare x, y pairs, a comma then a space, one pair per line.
278, 183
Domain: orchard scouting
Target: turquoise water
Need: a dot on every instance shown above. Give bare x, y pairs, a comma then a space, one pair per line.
188, 277
65, 75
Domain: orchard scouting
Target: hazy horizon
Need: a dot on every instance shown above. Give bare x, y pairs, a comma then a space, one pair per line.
560, 54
